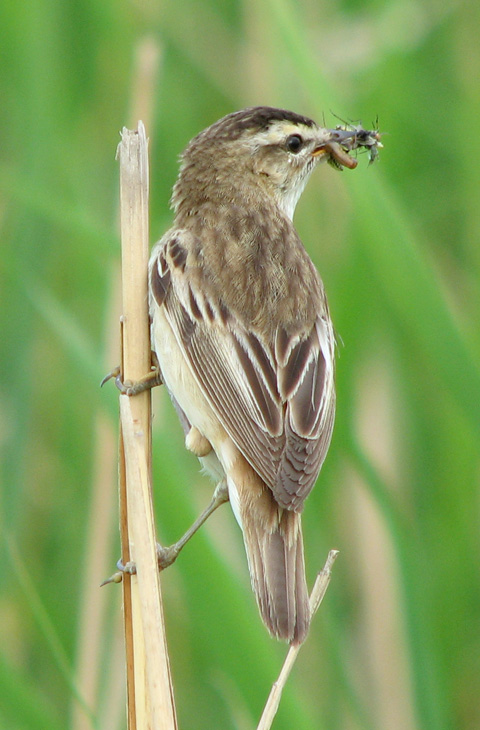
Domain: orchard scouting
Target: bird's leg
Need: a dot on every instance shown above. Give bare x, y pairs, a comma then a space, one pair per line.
167, 555
148, 381
195, 442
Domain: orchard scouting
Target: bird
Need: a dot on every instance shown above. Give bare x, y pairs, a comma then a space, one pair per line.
242, 332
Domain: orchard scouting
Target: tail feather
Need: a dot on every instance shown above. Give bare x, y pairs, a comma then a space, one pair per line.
275, 557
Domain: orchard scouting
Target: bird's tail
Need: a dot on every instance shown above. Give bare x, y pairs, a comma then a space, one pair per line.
274, 544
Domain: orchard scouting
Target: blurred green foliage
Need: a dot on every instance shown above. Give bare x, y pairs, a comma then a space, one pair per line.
396, 643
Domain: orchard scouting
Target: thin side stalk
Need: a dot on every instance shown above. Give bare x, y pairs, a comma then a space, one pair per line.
316, 597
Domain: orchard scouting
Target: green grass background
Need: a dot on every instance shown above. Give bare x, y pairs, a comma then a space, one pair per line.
396, 644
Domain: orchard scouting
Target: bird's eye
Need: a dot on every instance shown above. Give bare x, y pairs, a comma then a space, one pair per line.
294, 143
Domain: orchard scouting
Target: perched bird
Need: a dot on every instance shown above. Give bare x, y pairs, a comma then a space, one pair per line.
243, 336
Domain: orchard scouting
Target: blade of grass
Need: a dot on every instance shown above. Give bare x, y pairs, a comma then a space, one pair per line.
48, 630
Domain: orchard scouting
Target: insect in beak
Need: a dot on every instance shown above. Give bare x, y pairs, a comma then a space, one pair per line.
345, 139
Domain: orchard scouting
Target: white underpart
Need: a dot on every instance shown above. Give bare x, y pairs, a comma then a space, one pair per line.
229, 453
288, 200
234, 501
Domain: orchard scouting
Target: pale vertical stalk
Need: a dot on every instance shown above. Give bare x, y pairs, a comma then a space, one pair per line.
149, 688
316, 597
93, 601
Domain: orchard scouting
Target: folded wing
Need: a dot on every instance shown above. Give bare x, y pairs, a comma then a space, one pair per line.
275, 399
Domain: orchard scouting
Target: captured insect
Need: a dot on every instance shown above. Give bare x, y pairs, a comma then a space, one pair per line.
348, 137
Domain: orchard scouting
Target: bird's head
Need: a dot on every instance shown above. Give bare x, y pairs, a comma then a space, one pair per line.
257, 152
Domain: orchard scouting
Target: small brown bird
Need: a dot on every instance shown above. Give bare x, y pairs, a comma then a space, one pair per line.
243, 336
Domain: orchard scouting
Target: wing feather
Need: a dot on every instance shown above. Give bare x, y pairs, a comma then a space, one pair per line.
275, 399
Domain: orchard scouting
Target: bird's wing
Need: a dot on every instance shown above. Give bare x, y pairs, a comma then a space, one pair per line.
275, 400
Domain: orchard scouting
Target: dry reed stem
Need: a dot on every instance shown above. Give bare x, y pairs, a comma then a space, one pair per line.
149, 687
93, 612
316, 597
142, 531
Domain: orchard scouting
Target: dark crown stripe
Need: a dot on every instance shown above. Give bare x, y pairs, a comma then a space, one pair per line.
253, 118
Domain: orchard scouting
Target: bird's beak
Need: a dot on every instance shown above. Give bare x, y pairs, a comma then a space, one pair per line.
319, 151
335, 152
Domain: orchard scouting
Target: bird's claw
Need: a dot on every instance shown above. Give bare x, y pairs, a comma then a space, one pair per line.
117, 577
129, 387
165, 557
115, 373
